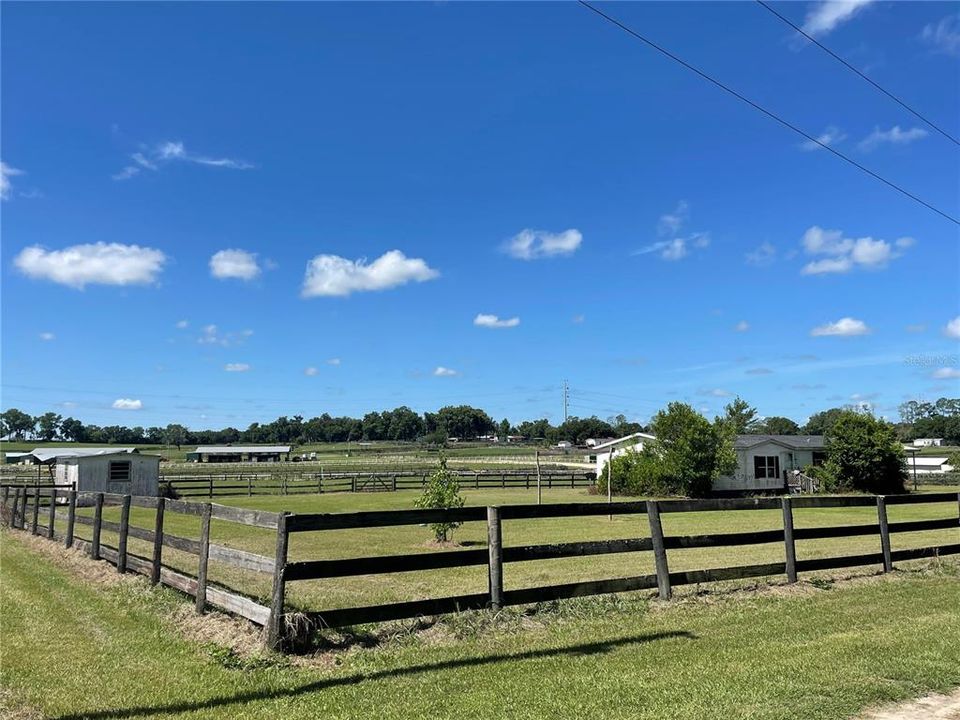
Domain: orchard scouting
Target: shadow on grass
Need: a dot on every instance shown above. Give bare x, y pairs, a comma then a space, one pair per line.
319, 685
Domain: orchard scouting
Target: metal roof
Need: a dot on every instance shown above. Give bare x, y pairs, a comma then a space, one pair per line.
47, 454
635, 437
794, 442
235, 449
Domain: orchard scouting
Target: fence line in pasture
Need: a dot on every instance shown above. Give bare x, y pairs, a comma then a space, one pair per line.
281, 625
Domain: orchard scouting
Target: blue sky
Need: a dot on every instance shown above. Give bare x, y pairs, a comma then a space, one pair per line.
470, 203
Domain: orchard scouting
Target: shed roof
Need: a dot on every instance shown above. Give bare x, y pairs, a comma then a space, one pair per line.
926, 461
793, 442
629, 439
235, 449
47, 454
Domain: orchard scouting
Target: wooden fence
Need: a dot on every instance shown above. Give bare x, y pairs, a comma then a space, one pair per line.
16, 501
294, 483
37, 509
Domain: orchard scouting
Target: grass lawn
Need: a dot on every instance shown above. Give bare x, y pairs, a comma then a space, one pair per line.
375, 589
73, 648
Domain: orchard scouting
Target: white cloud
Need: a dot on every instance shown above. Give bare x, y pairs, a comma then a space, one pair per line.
826, 16
95, 264
537, 244
952, 328
671, 223
127, 404
492, 321
310, 371
7, 172
47, 336
844, 327
944, 36
831, 136
763, 256
181, 324
236, 367
441, 371
234, 263
845, 254
155, 158
674, 247
332, 275
893, 136
946, 373
212, 335
742, 326
716, 392
916, 328
334, 361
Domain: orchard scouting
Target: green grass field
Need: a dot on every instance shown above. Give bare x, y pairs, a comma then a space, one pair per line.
375, 589
76, 648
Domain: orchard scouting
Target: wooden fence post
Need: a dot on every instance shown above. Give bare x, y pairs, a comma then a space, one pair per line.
659, 551
71, 517
36, 510
495, 563
157, 542
276, 626
790, 546
204, 559
52, 515
6, 497
97, 521
124, 532
884, 533
249, 486
211, 486
15, 508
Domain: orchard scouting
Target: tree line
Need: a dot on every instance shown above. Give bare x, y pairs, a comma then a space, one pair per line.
917, 419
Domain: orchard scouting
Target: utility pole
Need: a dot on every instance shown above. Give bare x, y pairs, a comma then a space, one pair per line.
566, 399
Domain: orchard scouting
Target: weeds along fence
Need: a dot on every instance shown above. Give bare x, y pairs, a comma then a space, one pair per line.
294, 483
53, 512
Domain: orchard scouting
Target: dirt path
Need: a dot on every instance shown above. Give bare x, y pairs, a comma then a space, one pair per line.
930, 707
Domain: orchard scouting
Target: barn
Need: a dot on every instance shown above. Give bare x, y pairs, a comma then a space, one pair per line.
239, 453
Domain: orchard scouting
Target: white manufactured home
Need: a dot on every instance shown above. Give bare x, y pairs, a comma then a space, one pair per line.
764, 462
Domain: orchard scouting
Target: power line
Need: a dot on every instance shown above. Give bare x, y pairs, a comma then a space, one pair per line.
839, 59
768, 113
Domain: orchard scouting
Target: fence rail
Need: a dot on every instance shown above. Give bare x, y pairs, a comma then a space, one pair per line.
22, 506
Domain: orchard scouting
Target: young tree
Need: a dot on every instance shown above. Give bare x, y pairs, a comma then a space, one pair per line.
441, 492
863, 454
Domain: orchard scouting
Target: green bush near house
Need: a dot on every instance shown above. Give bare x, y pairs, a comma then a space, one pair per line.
863, 454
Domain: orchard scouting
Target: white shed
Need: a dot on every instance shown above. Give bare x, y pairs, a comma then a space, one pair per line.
603, 452
121, 473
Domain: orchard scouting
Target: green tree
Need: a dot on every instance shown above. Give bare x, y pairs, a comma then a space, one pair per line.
72, 429
741, 416
863, 454
820, 423
442, 492
692, 451
175, 434
777, 425
48, 426
504, 429
17, 423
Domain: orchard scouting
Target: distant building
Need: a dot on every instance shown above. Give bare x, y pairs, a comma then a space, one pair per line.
928, 442
927, 465
239, 453
604, 451
764, 461
593, 442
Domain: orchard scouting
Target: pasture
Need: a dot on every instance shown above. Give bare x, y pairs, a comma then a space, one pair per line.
332, 593
76, 647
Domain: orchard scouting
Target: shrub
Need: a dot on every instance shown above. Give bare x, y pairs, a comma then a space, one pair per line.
441, 492
863, 454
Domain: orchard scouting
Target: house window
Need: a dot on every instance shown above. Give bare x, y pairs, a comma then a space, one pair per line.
766, 466
120, 471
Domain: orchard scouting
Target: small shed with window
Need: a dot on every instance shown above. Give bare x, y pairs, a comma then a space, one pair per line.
121, 472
